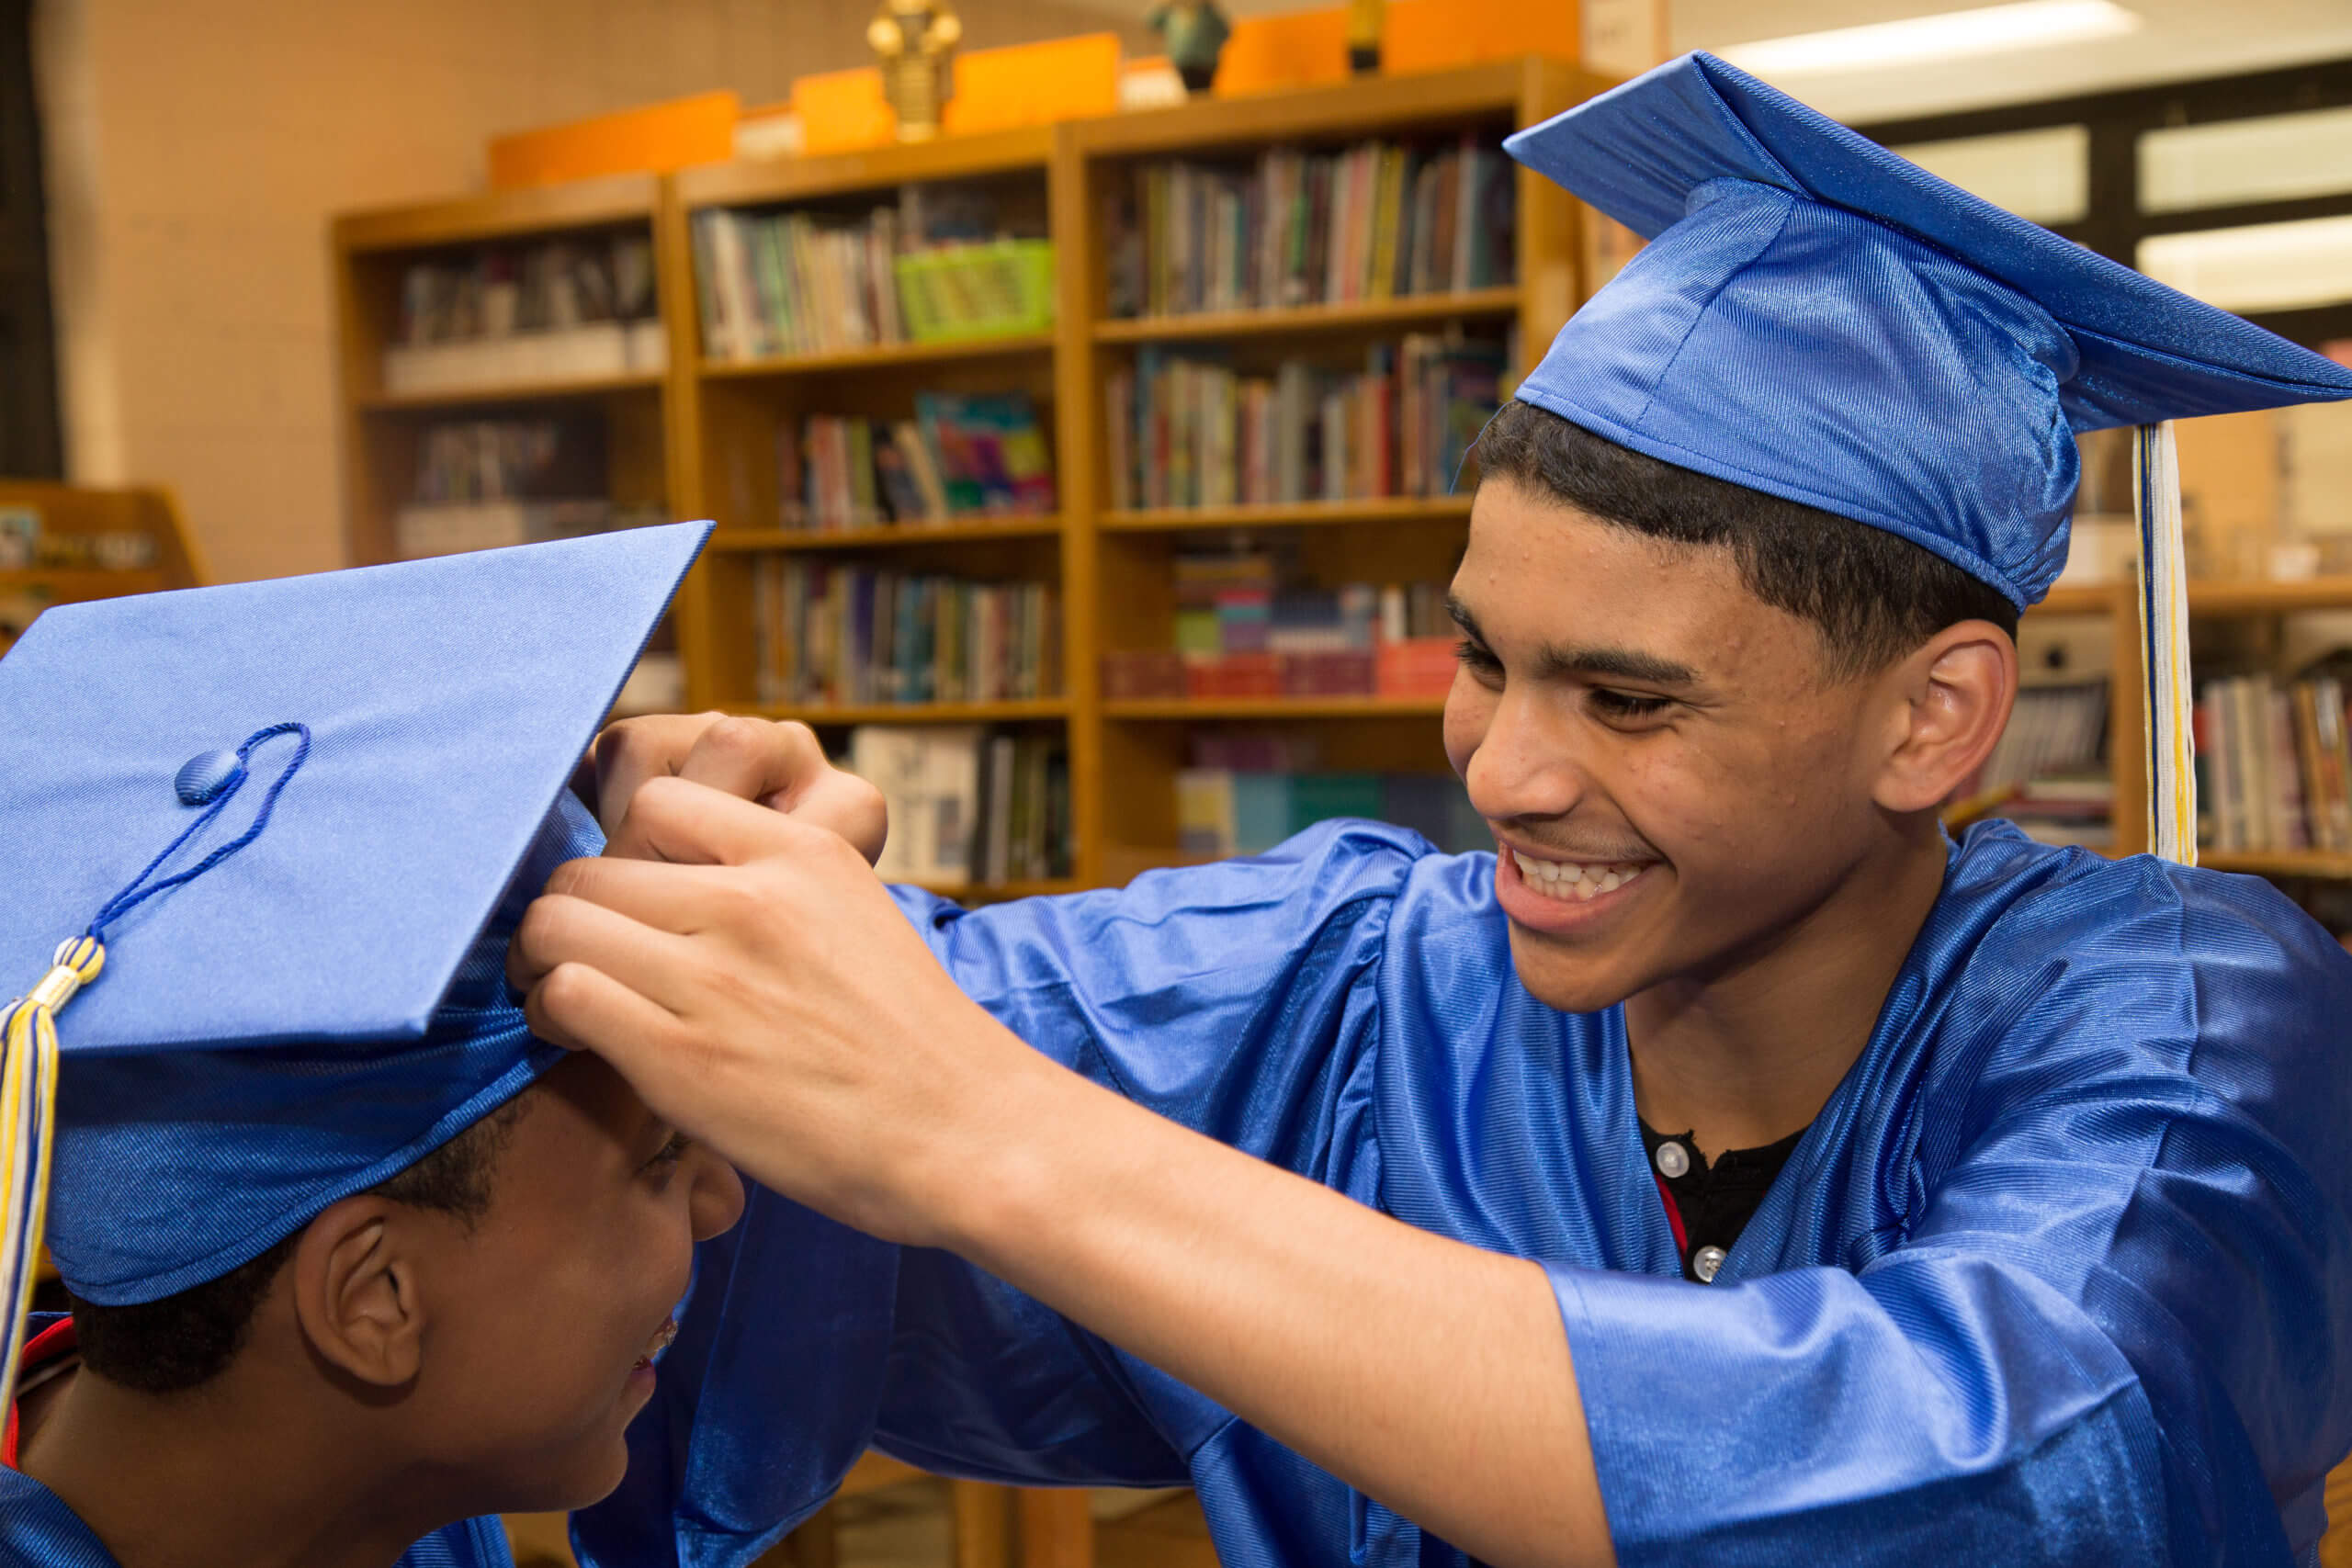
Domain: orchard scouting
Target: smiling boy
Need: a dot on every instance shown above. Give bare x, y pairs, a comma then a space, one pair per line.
1733, 1169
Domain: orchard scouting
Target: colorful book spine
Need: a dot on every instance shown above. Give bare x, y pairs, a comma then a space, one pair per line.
1189, 431
1372, 222
828, 634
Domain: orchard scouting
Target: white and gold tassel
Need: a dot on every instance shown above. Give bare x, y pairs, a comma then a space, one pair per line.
27, 1127
2168, 704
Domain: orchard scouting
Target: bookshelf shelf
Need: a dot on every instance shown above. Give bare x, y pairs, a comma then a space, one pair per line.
888, 356
86, 582
509, 392
2258, 597
2278, 863
737, 541
1186, 708
1310, 514
2079, 599
1404, 310
578, 204
920, 712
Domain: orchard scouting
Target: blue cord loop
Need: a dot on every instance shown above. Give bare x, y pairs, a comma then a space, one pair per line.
222, 788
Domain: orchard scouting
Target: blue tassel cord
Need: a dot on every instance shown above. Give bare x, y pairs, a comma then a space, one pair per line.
29, 1055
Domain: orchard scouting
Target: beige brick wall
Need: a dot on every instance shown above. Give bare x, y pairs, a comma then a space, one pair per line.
196, 151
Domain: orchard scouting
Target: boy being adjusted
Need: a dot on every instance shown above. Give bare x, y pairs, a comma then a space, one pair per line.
355, 1262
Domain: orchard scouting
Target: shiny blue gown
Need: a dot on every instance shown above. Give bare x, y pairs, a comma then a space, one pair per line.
38, 1530
2061, 1273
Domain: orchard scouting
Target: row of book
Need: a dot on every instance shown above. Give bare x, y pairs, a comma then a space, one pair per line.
1187, 430
1231, 602
569, 309
1374, 221
548, 285
968, 806
1224, 812
508, 460
2274, 763
2045, 773
832, 633
449, 528
791, 283
960, 456
934, 264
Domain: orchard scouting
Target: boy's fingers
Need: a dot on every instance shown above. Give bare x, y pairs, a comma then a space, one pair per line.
679, 898
657, 964
631, 750
690, 824
753, 759
582, 1009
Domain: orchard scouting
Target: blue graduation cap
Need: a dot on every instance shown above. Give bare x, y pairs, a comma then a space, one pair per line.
269, 841
1820, 320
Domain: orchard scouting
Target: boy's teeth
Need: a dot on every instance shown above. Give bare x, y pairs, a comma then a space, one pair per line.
1573, 879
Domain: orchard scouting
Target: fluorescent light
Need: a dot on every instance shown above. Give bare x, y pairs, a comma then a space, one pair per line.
1949, 35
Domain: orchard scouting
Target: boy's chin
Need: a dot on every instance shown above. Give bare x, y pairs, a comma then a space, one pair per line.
1570, 981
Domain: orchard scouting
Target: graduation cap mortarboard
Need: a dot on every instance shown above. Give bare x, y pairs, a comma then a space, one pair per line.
366, 774
1823, 321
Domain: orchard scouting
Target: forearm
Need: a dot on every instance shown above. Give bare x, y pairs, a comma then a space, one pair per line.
1429, 1375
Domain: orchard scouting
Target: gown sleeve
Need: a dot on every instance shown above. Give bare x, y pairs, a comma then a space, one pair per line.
2110, 1327
1238, 998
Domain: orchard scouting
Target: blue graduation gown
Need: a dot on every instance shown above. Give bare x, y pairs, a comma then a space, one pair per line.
2061, 1273
38, 1530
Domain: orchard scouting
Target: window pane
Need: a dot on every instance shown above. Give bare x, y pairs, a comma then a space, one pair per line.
2262, 266
2275, 158
2042, 175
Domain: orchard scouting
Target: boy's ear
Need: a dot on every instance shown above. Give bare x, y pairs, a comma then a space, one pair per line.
356, 1291
1947, 705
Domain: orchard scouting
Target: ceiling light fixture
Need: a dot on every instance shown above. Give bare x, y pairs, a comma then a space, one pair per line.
1948, 35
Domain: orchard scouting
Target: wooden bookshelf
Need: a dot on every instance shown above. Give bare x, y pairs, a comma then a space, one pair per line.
723, 416
1024, 711
2278, 863
2127, 744
887, 356
1192, 710
502, 392
699, 437
76, 509
380, 429
1300, 514
1402, 311
892, 535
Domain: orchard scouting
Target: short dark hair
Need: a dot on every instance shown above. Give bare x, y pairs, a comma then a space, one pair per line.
186, 1340
1873, 595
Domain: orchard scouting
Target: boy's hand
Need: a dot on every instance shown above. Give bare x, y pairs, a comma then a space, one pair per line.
777, 765
760, 989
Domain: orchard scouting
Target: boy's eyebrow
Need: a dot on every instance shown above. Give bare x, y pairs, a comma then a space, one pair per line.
1567, 658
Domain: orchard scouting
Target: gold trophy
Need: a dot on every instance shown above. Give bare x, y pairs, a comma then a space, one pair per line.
1364, 20
916, 40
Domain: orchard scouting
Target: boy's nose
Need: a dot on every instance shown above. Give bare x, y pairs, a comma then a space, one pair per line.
1523, 766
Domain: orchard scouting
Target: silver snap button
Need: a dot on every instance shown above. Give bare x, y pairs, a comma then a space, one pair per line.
1673, 1159
1705, 1261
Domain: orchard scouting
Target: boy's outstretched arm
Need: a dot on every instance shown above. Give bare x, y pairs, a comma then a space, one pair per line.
1430, 1374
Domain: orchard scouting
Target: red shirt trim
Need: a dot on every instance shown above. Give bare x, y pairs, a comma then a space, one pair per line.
1673, 1212
56, 1340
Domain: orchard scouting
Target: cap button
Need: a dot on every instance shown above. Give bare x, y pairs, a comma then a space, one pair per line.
202, 777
